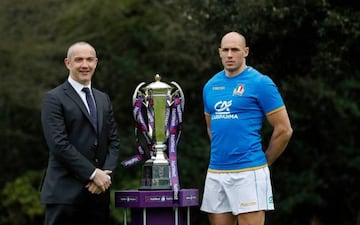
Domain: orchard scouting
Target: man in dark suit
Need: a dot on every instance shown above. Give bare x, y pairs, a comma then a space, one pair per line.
82, 137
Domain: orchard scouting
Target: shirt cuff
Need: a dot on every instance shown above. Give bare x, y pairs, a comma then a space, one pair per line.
93, 175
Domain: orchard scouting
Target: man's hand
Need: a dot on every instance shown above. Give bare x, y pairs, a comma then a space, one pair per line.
93, 188
102, 179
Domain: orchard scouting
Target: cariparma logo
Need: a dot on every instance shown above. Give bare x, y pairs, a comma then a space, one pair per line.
223, 107
222, 111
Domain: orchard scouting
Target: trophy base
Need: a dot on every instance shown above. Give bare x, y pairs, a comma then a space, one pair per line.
156, 176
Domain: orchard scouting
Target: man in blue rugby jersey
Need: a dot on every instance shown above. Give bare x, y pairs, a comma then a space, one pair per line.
237, 100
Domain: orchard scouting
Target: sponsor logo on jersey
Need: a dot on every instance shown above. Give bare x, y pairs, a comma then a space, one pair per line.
222, 111
223, 107
218, 88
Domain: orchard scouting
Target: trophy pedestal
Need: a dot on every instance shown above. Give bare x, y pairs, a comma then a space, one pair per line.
155, 176
157, 206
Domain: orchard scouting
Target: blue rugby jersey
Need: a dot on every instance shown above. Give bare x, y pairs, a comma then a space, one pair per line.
237, 107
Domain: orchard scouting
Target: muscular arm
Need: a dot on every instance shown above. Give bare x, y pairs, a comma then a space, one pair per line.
281, 135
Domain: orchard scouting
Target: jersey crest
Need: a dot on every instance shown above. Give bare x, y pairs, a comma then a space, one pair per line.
239, 90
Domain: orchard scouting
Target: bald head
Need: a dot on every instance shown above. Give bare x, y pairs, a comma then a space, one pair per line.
82, 43
233, 37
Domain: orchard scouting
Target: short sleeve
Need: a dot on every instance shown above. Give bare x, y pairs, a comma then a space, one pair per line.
269, 96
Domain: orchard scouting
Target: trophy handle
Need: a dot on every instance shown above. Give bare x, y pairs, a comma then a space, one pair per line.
181, 94
137, 92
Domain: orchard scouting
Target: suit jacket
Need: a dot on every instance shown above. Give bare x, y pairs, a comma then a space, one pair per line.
75, 149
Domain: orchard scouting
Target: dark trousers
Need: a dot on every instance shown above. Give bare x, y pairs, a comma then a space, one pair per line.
89, 214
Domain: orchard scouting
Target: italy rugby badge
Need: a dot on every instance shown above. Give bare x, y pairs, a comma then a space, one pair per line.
239, 90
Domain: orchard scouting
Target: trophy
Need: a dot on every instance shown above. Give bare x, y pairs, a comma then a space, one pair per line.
158, 109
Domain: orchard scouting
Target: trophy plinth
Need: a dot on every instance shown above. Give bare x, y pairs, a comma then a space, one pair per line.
156, 171
155, 176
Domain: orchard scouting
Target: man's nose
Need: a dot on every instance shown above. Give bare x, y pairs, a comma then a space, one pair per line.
229, 53
84, 63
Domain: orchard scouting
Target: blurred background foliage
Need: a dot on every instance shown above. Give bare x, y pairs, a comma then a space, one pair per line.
310, 48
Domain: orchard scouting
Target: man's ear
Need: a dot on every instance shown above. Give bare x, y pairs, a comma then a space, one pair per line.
246, 51
67, 62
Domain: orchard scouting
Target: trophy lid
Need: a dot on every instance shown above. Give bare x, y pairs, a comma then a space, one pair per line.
158, 84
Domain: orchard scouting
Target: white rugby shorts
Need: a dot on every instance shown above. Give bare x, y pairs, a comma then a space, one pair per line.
238, 192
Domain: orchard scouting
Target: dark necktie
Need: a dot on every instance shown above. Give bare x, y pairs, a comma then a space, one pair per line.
91, 105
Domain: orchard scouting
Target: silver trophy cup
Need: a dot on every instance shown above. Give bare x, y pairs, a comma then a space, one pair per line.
163, 105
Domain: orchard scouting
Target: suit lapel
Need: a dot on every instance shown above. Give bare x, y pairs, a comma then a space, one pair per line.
70, 91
